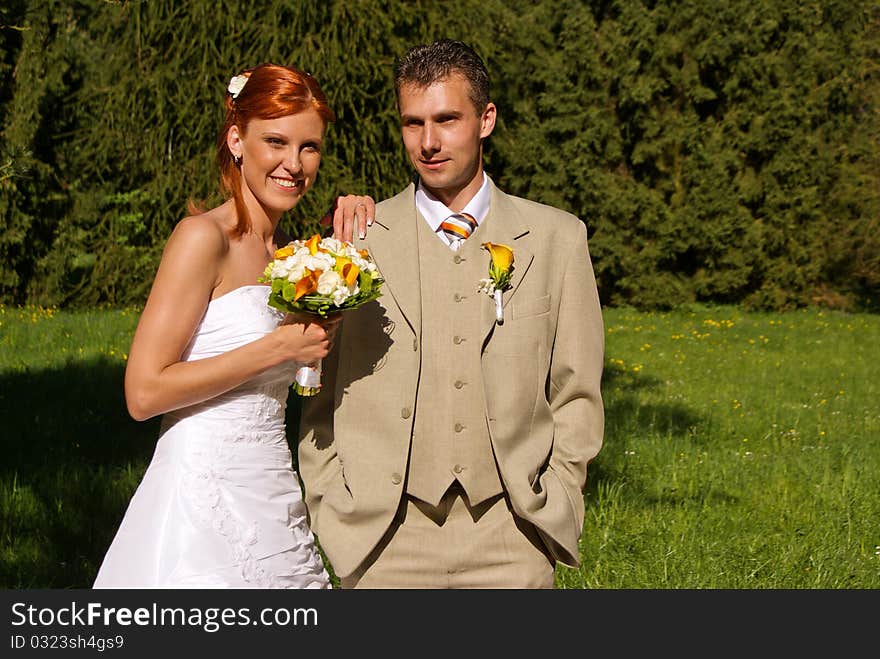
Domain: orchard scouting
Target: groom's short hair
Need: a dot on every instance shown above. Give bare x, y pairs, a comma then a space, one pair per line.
424, 65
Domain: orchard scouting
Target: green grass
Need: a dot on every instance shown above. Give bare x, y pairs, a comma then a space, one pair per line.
71, 454
742, 450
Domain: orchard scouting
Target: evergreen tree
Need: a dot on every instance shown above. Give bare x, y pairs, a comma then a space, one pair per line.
725, 151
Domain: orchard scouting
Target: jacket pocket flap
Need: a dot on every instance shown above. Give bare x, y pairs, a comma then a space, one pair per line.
530, 307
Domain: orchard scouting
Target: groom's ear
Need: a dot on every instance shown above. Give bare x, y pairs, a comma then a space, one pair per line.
487, 120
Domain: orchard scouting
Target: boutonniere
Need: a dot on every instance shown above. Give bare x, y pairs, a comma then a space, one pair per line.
500, 267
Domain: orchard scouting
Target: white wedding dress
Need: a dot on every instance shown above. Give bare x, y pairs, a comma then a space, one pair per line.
220, 505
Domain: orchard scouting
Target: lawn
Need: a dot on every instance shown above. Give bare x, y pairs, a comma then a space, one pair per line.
742, 449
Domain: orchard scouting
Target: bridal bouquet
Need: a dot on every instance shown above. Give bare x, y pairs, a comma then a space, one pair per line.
319, 277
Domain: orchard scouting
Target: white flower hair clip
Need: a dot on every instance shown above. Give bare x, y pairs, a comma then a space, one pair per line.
236, 84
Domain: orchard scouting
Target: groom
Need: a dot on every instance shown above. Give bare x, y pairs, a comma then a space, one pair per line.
448, 448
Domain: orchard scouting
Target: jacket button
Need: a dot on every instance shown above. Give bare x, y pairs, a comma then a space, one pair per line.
457, 297
458, 469
395, 478
456, 259
405, 412
459, 384
457, 339
415, 345
458, 427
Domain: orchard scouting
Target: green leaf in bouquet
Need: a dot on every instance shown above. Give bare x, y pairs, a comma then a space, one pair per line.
288, 291
276, 301
315, 304
365, 281
284, 292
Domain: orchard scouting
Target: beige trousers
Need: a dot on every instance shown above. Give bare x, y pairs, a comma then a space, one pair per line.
455, 545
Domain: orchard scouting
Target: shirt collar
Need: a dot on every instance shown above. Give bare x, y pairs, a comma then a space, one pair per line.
435, 211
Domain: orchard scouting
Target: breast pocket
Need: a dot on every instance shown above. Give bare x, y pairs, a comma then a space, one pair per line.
529, 307
525, 327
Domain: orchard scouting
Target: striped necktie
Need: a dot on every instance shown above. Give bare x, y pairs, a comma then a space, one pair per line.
457, 228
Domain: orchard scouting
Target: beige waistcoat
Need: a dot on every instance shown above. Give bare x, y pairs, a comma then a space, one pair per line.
451, 439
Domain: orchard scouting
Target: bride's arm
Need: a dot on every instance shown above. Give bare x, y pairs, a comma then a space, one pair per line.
156, 380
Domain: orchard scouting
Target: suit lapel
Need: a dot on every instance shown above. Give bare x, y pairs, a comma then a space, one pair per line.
507, 227
393, 243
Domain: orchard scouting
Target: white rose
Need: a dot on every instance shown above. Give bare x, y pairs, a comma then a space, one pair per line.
328, 282
340, 295
296, 274
331, 244
366, 266
280, 270
324, 261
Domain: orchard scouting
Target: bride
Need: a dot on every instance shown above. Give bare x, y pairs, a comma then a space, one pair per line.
220, 505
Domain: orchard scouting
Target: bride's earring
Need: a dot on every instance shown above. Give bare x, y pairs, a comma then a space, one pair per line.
237, 160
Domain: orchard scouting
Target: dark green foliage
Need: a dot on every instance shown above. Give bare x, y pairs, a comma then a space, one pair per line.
725, 151
40, 48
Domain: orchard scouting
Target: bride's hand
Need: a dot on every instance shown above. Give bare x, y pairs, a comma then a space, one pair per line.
308, 339
348, 212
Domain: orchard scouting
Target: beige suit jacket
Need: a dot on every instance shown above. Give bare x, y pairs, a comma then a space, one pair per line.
541, 376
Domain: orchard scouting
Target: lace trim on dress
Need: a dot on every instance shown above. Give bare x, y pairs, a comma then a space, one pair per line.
202, 487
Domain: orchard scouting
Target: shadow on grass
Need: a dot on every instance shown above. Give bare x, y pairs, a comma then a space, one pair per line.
628, 418
72, 457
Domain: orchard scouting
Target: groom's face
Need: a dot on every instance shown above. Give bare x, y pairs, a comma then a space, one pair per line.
443, 134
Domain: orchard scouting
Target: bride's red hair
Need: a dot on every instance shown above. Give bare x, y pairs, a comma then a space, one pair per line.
272, 91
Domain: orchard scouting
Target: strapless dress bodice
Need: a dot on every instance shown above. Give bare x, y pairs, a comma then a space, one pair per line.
253, 411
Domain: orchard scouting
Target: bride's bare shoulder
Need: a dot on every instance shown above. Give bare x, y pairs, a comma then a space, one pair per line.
205, 233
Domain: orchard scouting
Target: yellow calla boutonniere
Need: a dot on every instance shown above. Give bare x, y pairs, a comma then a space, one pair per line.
500, 268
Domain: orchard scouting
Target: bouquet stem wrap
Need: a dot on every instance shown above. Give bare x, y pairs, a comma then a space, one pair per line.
307, 381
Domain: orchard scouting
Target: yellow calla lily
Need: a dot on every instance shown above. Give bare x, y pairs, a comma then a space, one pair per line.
350, 273
312, 244
502, 255
347, 270
284, 252
308, 284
